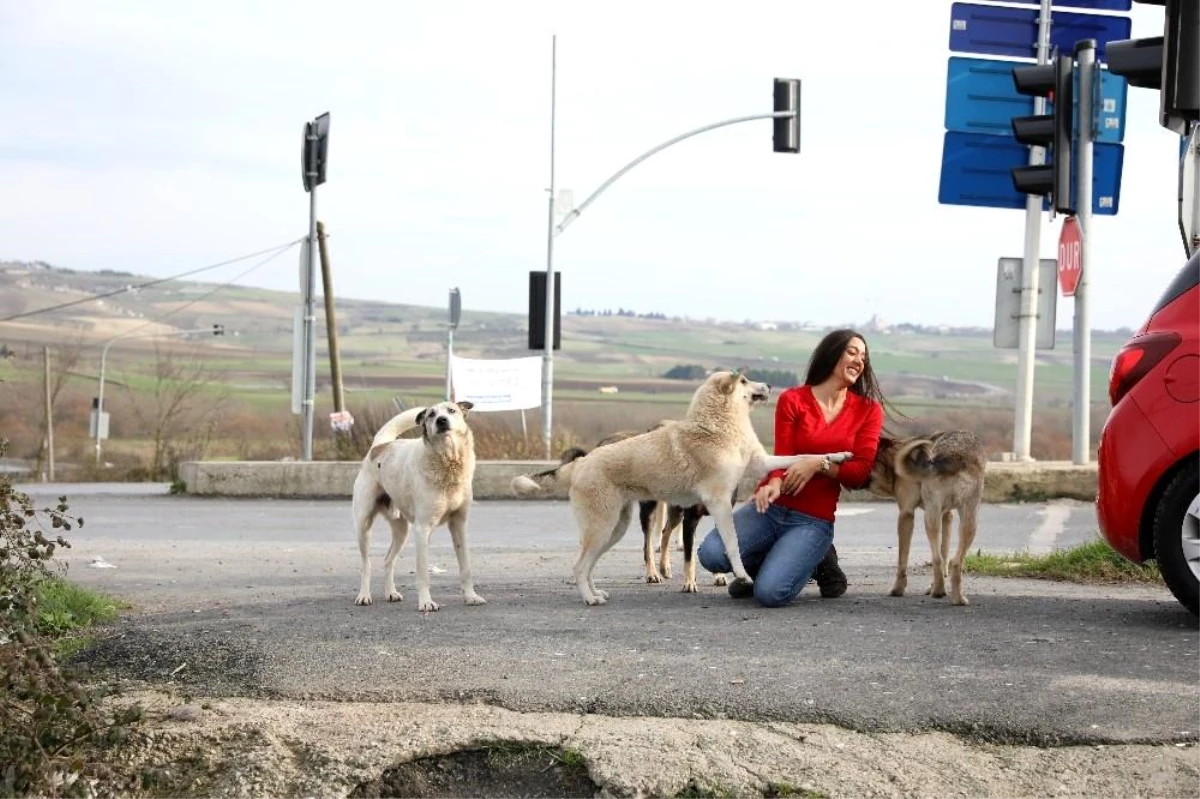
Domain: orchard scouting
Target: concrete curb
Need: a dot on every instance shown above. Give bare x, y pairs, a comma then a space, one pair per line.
1005, 482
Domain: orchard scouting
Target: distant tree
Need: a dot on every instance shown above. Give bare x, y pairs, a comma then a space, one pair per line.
689, 371
180, 411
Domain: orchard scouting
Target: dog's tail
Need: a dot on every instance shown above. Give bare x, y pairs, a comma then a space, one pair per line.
917, 459
524, 485
397, 425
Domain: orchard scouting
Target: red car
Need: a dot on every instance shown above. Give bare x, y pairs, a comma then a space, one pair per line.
1148, 502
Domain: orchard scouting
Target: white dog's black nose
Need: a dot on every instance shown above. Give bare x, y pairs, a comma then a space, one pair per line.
442, 424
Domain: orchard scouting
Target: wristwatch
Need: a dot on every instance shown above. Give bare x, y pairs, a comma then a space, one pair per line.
825, 464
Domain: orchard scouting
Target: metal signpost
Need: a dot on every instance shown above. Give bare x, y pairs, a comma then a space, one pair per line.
455, 315
313, 157
979, 149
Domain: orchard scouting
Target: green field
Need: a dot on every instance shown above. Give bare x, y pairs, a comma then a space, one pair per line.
387, 352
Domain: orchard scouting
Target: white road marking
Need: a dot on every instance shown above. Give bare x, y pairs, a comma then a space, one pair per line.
1054, 521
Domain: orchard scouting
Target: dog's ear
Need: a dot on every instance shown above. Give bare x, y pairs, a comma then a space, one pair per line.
465, 406
421, 416
731, 381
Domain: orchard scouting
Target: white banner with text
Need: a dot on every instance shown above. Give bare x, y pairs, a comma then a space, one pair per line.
502, 385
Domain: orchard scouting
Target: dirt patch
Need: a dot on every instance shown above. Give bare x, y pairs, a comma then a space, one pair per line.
500, 770
194, 746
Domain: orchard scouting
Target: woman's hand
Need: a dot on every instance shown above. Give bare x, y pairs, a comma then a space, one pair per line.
766, 494
800, 472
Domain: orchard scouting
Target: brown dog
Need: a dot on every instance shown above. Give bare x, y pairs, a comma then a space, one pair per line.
939, 473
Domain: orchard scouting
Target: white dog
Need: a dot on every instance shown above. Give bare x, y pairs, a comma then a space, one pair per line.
697, 460
422, 481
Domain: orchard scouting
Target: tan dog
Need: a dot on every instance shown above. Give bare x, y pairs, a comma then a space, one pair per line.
425, 482
651, 515
939, 473
697, 460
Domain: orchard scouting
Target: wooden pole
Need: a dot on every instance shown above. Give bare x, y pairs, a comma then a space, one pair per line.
49, 417
335, 363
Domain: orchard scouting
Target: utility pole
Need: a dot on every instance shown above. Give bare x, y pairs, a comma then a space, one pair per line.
335, 360
49, 417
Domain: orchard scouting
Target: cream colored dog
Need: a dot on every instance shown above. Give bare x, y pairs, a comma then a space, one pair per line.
699, 459
425, 482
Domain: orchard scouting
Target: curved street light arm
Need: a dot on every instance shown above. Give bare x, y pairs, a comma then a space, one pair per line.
575, 212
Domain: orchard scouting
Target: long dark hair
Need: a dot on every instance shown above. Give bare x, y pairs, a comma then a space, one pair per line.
825, 358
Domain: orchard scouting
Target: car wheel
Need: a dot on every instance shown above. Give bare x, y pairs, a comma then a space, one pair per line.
1177, 537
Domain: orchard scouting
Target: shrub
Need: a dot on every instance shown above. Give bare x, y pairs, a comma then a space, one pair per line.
52, 729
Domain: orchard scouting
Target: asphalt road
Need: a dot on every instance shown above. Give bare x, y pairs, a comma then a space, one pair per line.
255, 597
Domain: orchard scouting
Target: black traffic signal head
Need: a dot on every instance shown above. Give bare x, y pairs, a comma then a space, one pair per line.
1169, 63
218, 330
1054, 131
315, 151
787, 129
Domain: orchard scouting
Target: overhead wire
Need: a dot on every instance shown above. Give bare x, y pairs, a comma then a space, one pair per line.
277, 250
222, 286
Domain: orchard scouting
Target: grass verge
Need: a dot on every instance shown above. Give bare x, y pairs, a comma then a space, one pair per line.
1094, 562
65, 610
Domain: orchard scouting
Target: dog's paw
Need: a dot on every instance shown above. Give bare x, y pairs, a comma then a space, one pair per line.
936, 592
691, 588
840, 457
474, 599
596, 600
654, 578
741, 584
395, 596
959, 600
428, 606
362, 599
721, 579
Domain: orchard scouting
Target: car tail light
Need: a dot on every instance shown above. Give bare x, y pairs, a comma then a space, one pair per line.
1136, 359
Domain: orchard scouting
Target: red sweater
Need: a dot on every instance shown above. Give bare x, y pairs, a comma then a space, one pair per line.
800, 428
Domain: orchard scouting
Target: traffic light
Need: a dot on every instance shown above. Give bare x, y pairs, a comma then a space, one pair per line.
218, 330
787, 129
1053, 131
537, 310
315, 152
1167, 63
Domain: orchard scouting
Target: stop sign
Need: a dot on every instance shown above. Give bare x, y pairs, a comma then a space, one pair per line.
1070, 256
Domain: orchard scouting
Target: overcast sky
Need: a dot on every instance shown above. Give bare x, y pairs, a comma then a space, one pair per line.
157, 137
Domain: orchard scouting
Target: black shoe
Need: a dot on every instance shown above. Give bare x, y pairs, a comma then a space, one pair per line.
740, 589
831, 580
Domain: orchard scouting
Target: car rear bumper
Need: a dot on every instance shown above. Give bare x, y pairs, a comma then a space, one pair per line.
1132, 457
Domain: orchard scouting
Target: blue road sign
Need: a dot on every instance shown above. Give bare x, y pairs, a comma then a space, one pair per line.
976, 171
1012, 32
981, 98
1096, 5
1107, 162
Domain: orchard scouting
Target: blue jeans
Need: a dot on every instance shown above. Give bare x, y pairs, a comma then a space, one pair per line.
780, 550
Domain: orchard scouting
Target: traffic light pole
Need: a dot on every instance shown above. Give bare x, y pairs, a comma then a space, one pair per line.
1081, 428
554, 231
309, 338
548, 354
1027, 330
